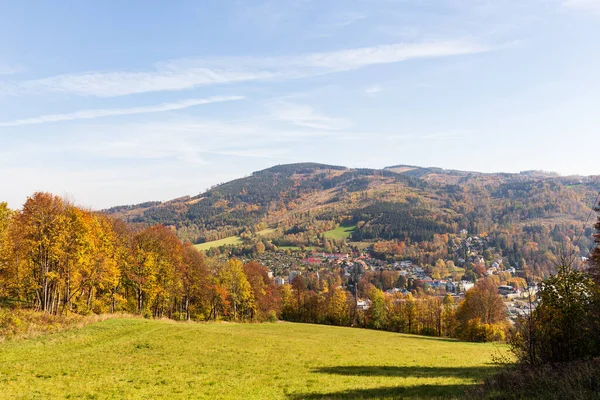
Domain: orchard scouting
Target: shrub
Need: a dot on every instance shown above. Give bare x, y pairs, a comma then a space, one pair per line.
476, 331
574, 380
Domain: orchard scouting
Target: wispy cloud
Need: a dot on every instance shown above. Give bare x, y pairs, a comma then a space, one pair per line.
587, 5
373, 90
109, 112
189, 73
306, 116
347, 18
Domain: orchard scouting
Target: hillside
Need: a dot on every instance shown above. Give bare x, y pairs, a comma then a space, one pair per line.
136, 358
300, 203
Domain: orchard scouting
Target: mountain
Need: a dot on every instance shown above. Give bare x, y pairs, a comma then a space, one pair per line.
296, 204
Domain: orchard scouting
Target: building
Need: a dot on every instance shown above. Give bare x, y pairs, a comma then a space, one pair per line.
279, 281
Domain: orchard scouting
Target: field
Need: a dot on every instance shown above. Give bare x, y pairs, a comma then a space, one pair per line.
235, 240
341, 232
139, 359
221, 242
266, 232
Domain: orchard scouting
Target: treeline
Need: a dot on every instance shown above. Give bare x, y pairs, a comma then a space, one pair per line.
320, 299
60, 259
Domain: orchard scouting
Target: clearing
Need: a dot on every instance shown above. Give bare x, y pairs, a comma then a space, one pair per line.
235, 240
140, 359
341, 232
231, 240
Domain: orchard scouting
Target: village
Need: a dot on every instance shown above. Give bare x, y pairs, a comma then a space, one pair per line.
412, 278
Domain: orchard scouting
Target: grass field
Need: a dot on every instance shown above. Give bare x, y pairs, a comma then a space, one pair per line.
140, 359
220, 242
235, 240
341, 232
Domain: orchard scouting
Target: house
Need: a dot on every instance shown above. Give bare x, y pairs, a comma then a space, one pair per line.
363, 304
279, 281
506, 290
450, 287
465, 286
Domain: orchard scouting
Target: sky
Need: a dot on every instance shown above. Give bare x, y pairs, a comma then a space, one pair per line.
112, 102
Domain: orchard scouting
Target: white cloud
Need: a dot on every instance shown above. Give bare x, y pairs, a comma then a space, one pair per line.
305, 116
189, 73
587, 5
99, 113
373, 90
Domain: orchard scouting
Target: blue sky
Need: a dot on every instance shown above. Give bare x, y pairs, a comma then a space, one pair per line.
118, 102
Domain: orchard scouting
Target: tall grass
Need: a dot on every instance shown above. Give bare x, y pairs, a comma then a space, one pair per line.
22, 323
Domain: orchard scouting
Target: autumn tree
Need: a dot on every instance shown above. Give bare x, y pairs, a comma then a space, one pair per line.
264, 291
337, 307
41, 234
194, 276
232, 277
482, 314
376, 313
6, 215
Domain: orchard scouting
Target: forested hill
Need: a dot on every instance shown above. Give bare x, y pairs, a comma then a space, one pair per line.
296, 203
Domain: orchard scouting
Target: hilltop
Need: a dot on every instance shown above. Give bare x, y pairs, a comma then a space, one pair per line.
297, 205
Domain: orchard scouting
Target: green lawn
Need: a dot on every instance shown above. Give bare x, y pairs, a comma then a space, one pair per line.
341, 232
220, 242
142, 359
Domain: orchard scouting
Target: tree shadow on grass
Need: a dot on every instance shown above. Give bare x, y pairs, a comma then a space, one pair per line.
428, 392
479, 372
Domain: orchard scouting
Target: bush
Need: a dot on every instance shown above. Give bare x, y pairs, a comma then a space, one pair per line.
476, 331
272, 316
574, 380
20, 323
564, 326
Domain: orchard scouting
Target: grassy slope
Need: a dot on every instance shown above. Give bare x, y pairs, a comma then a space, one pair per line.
341, 232
220, 242
129, 358
230, 240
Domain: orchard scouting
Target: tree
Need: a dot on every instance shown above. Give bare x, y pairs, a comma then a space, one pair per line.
42, 230
259, 247
194, 277
232, 277
7, 280
481, 315
264, 290
337, 307
564, 326
448, 316
376, 314
594, 259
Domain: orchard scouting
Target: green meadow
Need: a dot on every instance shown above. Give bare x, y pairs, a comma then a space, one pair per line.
142, 359
235, 240
341, 232
231, 240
